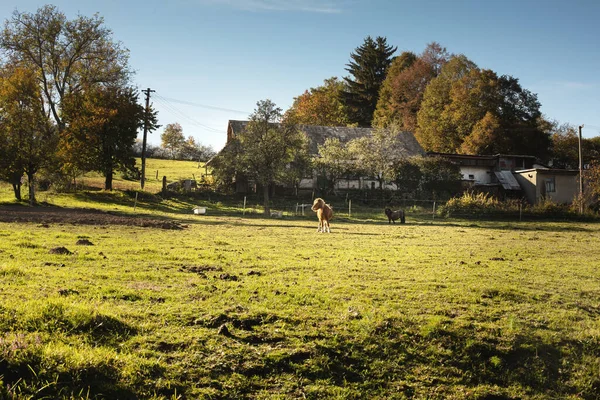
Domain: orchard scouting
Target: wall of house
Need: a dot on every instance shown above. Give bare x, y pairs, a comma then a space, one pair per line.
528, 182
482, 175
533, 184
566, 186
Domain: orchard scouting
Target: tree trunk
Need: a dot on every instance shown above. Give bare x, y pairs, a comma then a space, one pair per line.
17, 190
108, 178
266, 199
31, 183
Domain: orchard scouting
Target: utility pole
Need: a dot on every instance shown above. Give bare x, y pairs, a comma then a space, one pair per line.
580, 174
147, 92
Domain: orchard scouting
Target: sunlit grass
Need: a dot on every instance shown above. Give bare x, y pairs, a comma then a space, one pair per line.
430, 309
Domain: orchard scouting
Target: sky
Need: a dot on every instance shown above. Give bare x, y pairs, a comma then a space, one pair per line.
210, 61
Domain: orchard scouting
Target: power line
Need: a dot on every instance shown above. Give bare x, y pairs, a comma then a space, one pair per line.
205, 106
181, 114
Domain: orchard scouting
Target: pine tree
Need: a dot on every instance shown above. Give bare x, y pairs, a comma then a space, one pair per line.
368, 67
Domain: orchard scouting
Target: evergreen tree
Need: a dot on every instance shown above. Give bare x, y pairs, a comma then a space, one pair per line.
368, 67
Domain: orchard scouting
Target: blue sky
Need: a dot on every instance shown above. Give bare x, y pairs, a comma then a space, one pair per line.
212, 60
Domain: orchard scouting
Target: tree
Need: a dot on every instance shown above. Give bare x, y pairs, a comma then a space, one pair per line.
320, 106
334, 161
402, 91
172, 139
467, 109
191, 150
434, 130
101, 129
440, 177
28, 140
66, 55
377, 153
384, 111
367, 67
299, 166
265, 147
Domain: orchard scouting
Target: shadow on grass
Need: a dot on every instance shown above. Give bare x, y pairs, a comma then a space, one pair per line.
425, 358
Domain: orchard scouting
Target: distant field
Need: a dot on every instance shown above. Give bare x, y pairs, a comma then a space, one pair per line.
234, 307
174, 170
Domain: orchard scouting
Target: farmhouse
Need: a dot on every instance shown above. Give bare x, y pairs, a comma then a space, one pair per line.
317, 136
515, 176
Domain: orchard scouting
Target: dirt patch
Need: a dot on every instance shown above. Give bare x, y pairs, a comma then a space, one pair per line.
84, 242
60, 250
57, 215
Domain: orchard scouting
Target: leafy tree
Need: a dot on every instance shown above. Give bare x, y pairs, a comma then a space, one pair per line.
434, 130
300, 164
384, 112
28, 140
66, 55
191, 150
481, 112
334, 161
439, 177
101, 129
402, 90
320, 106
226, 167
262, 150
172, 139
376, 154
406, 174
367, 67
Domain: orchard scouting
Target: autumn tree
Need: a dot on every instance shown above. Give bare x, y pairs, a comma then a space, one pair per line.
320, 106
101, 129
473, 110
28, 140
402, 91
66, 56
368, 67
434, 130
172, 139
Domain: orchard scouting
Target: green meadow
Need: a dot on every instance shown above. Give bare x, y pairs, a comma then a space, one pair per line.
233, 306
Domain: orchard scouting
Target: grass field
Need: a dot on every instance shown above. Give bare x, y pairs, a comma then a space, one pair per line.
234, 307
158, 303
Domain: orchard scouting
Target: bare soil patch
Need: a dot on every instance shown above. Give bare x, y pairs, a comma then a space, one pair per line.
75, 216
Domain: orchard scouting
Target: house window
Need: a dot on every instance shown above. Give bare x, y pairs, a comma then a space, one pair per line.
550, 185
471, 176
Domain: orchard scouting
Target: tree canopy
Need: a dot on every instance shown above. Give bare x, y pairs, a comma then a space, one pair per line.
320, 106
402, 91
470, 110
66, 55
368, 67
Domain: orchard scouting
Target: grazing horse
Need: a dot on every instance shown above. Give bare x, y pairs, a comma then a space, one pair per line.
324, 213
394, 215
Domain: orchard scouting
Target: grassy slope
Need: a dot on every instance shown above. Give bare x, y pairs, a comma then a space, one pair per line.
444, 310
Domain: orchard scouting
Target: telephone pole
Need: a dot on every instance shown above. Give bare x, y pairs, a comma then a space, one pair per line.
147, 92
580, 173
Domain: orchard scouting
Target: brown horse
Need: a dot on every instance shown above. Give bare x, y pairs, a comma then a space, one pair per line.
394, 215
324, 213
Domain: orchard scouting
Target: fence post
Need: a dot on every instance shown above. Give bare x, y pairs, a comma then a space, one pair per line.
350, 207
244, 212
520, 212
434, 209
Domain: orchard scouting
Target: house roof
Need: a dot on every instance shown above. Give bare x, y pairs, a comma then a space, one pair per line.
318, 134
553, 171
